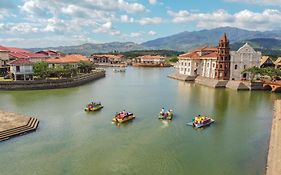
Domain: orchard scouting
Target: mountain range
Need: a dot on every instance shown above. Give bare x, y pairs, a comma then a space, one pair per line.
184, 41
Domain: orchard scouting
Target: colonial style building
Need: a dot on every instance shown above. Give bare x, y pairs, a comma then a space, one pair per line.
4, 57
150, 61
21, 69
66, 60
219, 63
245, 57
199, 62
108, 58
51, 53
223, 59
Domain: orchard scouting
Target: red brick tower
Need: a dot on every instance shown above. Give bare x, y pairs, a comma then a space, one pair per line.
223, 59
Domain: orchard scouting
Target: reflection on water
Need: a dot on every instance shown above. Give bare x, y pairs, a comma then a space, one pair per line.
71, 141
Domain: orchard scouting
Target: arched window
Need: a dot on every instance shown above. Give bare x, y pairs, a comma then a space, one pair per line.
235, 67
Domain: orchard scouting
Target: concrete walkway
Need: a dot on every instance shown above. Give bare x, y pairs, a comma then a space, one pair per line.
274, 154
12, 124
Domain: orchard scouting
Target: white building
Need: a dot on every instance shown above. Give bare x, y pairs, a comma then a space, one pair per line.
21, 69
199, 62
245, 57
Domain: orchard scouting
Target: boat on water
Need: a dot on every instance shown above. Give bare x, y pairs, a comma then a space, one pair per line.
123, 117
119, 70
93, 107
166, 115
201, 121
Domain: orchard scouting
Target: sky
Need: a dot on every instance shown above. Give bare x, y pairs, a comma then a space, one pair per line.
46, 23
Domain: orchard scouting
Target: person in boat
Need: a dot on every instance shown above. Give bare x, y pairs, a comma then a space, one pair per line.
162, 112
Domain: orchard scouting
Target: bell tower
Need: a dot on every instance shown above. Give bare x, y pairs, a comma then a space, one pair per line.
223, 59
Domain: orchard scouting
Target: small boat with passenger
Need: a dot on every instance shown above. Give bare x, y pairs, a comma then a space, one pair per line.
201, 121
123, 117
168, 115
93, 106
119, 70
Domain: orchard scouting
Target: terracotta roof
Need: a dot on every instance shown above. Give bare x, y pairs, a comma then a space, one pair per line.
67, 59
21, 62
151, 57
192, 55
108, 56
205, 48
48, 52
211, 55
18, 50
18, 55
4, 49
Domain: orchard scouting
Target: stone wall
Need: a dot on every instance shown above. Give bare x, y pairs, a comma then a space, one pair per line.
211, 82
181, 77
52, 84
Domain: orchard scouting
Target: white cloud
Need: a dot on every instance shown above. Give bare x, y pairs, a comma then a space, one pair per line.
136, 34
126, 19
19, 28
152, 33
245, 19
152, 1
258, 2
154, 20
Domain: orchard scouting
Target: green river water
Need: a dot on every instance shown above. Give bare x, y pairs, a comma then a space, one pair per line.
72, 142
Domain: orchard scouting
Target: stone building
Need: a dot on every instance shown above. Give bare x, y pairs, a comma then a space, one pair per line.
219, 63
243, 58
199, 62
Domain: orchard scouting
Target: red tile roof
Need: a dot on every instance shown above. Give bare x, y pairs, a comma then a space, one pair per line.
4, 49
151, 57
211, 55
18, 50
108, 56
21, 62
192, 55
67, 59
205, 48
18, 55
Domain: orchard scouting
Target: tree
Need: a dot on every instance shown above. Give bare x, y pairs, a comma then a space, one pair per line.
85, 67
174, 59
40, 69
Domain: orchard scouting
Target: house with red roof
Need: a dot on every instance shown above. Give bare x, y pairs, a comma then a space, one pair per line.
21, 69
107, 58
4, 57
73, 60
219, 62
51, 53
200, 61
150, 61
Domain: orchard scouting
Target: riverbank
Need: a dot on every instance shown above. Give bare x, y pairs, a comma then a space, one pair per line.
213, 83
274, 151
12, 124
52, 84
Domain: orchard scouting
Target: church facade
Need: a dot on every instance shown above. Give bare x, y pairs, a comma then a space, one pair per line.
219, 63
243, 58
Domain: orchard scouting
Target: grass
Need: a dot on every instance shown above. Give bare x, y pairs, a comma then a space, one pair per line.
2, 79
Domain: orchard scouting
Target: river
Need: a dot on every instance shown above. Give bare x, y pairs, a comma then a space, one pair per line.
73, 142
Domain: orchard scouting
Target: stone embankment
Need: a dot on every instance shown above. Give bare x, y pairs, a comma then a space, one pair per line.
181, 77
274, 150
235, 85
52, 84
12, 125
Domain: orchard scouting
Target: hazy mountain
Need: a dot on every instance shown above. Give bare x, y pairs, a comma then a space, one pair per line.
183, 41
187, 40
89, 48
268, 46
